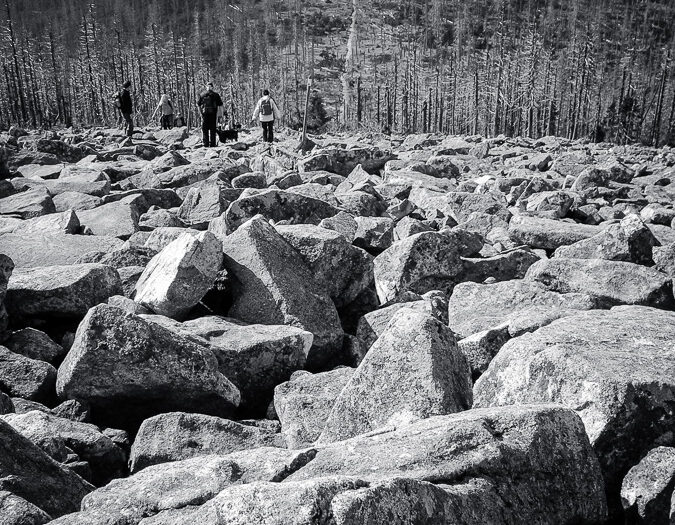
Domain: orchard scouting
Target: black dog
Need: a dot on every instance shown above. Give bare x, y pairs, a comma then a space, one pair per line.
228, 134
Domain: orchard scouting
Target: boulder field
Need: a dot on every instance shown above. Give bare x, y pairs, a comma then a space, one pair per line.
392, 330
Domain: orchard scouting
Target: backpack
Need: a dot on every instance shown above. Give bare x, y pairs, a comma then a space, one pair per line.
266, 107
210, 103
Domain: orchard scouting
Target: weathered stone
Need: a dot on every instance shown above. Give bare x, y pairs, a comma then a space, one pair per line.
608, 282
116, 219
343, 161
74, 200
65, 222
160, 238
343, 223
28, 204
53, 249
35, 345
664, 259
94, 183
73, 410
127, 255
6, 404
522, 305
549, 234
657, 214
17, 511
274, 286
255, 179
629, 241
180, 484
615, 368
176, 279
206, 202
507, 446
27, 378
374, 233
255, 358
413, 371
303, 404
29, 473
106, 459
158, 218
647, 488
60, 292
481, 347
512, 264
278, 205
128, 369
177, 436
343, 270
420, 263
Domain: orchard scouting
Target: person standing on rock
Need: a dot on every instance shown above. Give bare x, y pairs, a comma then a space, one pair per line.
208, 103
266, 111
166, 107
126, 108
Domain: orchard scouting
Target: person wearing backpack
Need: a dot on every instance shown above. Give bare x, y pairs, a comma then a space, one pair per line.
166, 106
208, 103
124, 104
266, 111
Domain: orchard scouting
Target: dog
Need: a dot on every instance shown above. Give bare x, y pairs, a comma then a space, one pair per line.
228, 134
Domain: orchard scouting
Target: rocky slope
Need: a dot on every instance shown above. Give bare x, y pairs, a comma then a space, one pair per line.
404, 330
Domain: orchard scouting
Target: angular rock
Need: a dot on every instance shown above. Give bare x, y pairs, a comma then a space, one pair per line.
74, 200
278, 205
343, 223
374, 233
34, 344
608, 282
128, 369
176, 436
507, 446
548, 234
28, 204
274, 286
522, 305
629, 241
60, 292
30, 474
647, 488
116, 219
176, 279
26, 378
613, 367
512, 264
304, 403
206, 202
420, 263
343, 270
664, 259
65, 222
481, 347
343, 161
17, 511
181, 484
413, 371
53, 249
160, 238
106, 459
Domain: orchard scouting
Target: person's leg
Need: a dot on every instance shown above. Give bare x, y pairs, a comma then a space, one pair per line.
213, 120
205, 130
270, 133
263, 125
129, 124
169, 121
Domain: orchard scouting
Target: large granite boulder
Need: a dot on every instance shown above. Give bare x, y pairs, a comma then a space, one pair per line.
177, 278
647, 489
64, 222
413, 371
614, 367
206, 202
177, 435
608, 282
27, 378
60, 292
523, 306
128, 369
419, 263
548, 234
17, 511
278, 205
29, 473
629, 241
273, 285
180, 484
343, 161
342, 269
53, 249
28, 204
115, 219
106, 459
304, 403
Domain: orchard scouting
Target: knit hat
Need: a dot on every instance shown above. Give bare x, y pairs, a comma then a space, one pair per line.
126, 84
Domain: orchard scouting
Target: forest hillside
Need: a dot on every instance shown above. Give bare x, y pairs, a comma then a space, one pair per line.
572, 68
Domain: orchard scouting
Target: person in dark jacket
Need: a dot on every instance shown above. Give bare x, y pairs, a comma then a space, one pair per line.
208, 103
126, 108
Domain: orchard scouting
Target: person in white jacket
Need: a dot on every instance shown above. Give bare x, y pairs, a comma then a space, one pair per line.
266, 111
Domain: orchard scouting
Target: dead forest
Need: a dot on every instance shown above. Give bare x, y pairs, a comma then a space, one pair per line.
601, 69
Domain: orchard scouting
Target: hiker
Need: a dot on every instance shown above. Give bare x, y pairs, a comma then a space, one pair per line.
125, 106
208, 103
165, 104
266, 111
